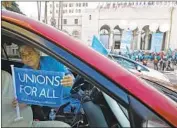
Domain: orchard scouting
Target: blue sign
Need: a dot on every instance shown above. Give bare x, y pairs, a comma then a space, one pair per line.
126, 41
104, 39
98, 46
156, 43
38, 87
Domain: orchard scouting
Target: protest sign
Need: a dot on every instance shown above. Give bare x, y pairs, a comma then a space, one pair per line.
38, 87
156, 43
126, 41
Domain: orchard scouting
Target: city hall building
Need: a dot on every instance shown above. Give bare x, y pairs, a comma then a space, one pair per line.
109, 22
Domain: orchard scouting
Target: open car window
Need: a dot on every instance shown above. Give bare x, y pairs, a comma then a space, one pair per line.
48, 48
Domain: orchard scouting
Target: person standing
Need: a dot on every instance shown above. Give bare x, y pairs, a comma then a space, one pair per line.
155, 62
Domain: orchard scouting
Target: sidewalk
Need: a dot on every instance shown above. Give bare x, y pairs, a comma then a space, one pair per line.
172, 75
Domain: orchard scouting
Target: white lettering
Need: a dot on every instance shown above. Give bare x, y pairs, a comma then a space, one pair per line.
20, 78
42, 93
34, 90
54, 94
48, 79
40, 79
28, 92
28, 78
43, 81
48, 94
21, 88
57, 80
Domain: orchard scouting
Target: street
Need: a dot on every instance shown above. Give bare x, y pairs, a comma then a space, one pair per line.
172, 75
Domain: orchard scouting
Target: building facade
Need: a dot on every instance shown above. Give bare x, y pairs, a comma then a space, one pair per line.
67, 16
109, 22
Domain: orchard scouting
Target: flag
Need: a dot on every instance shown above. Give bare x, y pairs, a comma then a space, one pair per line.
98, 46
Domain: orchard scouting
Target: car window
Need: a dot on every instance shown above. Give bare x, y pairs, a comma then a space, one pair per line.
120, 112
127, 64
146, 117
94, 77
142, 68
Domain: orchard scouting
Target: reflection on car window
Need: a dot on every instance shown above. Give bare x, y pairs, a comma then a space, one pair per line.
3, 56
144, 117
142, 68
12, 51
128, 64
124, 110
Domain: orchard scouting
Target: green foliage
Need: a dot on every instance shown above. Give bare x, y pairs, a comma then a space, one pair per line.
12, 6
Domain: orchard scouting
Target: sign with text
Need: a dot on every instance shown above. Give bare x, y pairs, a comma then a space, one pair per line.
156, 43
126, 40
38, 87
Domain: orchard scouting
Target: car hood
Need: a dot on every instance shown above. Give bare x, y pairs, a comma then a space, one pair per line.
156, 74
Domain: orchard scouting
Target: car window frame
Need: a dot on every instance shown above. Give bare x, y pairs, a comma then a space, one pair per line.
112, 90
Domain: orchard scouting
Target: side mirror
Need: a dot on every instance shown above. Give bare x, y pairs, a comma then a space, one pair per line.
139, 68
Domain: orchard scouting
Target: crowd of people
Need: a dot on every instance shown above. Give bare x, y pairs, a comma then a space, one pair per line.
161, 60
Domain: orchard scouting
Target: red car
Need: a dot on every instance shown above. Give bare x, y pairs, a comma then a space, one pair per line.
115, 97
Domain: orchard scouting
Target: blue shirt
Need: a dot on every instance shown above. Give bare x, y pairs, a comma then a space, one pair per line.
48, 63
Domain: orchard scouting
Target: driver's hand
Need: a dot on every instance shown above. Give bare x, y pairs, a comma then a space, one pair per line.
21, 105
67, 80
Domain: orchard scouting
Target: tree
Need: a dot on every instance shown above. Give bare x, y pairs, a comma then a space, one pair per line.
12, 6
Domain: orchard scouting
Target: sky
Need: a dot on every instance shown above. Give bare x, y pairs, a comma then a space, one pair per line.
29, 8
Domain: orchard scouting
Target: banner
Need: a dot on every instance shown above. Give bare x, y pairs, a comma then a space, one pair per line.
98, 46
156, 42
126, 41
38, 87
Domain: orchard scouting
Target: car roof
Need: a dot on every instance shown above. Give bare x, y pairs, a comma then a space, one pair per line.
165, 107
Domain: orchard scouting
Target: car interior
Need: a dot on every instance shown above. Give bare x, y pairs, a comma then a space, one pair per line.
97, 108
96, 111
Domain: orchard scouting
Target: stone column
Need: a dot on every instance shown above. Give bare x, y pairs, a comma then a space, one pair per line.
167, 41
139, 40
110, 40
147, 40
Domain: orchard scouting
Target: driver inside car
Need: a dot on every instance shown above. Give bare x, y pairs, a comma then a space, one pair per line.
9, 113
32, 60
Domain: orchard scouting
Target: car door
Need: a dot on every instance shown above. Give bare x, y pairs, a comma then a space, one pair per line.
113, 90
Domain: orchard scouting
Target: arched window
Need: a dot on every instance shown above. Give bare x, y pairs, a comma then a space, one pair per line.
117, 37
104, 35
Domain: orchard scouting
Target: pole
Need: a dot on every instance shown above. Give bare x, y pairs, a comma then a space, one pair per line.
171, 22
59, 15
15, 95
53, 10
45, 12
38, 9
